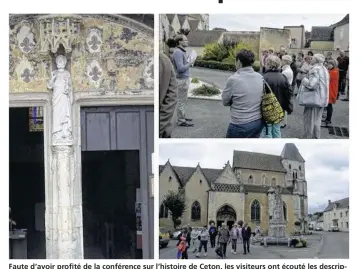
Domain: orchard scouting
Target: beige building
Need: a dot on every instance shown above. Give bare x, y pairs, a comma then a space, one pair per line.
297, 36
337, 214
239, 191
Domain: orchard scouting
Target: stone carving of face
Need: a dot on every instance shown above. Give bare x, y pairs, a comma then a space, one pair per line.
61, 62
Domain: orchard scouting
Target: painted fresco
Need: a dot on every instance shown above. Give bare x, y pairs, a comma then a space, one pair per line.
108, 56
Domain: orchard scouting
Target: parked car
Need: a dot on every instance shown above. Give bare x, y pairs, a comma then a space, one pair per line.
333, 229
164, 237
318, 228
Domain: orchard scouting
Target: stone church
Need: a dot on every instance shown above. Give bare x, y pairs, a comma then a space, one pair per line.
239, 191
81, 113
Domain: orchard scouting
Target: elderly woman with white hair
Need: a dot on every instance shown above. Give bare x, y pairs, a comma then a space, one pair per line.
280, 86
314, 96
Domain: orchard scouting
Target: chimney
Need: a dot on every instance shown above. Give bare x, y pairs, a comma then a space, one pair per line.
329, 201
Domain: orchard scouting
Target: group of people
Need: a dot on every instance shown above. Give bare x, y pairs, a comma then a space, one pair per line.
223, 236
286, 75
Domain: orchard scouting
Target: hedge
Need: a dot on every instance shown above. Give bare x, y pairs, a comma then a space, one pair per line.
220, 65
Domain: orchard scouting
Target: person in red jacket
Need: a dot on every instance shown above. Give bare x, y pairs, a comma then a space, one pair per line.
333, 88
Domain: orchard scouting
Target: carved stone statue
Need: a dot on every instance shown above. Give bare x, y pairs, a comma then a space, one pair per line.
62, 100
278, 211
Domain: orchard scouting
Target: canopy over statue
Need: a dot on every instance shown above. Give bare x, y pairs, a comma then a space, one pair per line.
62, 98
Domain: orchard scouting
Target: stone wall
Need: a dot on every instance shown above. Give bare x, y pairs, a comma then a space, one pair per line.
219, 199
322, 45
249, 38
109, 53
196, 189
274, 38
167, 182
259, 176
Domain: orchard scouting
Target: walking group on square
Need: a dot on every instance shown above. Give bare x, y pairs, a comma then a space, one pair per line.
219, 238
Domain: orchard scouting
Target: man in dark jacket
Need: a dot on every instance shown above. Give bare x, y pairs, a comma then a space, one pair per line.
213, 232
168, 96
343, 65
246, 236
282, 90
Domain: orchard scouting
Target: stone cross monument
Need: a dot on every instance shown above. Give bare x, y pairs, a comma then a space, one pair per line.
277, 224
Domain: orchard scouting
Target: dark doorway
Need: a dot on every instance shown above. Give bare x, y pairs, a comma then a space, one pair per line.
110, 180
228, 214
26, 183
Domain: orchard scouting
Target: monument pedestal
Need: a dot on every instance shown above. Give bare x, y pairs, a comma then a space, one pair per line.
64, 217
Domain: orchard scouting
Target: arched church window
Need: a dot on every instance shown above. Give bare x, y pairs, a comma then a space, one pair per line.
264, 179
255, 211
196, 211
273, 182
300, 167
250, 179
163, 212
285, 211
289, 166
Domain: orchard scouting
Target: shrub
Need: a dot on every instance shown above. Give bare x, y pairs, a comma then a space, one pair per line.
195, 80
232, 53
215, 52
224, 65
206, 90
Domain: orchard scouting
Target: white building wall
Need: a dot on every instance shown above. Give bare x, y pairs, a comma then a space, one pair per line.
341, 37
339, 217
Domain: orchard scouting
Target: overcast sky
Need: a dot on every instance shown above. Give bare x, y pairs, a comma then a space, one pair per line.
326, 167
250, 22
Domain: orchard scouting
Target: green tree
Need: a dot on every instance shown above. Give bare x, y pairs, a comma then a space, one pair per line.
175, 202
215, 52
232, 53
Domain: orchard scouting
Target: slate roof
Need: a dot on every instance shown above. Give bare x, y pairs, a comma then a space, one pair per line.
257, 161
182, 19
324, 33
184, 173
345, 20
263, 189
193, 25
291, 153
170, 17
343, 203
211, 174
200, 38
195, 16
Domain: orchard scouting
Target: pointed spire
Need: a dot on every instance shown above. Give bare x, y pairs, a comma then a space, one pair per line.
291, 153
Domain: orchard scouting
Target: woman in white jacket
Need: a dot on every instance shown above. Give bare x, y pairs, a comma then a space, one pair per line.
316, 87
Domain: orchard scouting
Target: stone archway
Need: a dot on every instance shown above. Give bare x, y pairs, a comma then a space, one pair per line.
226, 213
110, 60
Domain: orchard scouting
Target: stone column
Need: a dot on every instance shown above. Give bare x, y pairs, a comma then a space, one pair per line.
64, 231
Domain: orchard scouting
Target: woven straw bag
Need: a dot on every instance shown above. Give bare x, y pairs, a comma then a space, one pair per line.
272, 111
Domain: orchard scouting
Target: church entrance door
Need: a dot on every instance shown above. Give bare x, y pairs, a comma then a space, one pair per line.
226, 214
26, 183
117, 144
